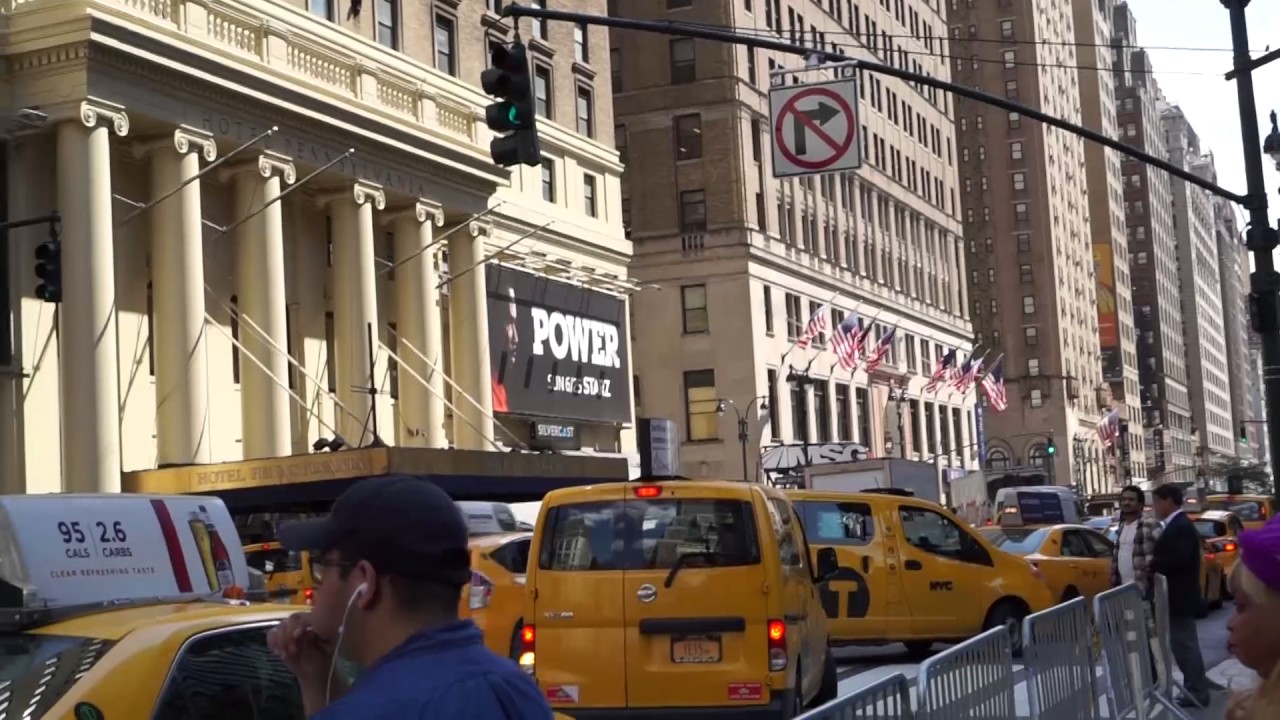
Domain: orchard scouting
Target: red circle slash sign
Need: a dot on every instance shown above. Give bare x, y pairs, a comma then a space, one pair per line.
838, 147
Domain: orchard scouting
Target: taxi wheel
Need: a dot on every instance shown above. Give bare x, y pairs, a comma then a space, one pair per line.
797, 696
516, 645
830, 681
1071, 593
1008, 613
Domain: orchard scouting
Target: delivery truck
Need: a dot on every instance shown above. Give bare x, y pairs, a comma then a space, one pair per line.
918, 477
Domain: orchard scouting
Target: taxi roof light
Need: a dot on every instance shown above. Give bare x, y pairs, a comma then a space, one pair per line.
1229, 547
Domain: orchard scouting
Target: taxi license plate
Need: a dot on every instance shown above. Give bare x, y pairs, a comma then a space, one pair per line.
697, 649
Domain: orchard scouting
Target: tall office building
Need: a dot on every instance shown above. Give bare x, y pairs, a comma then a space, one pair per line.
1116, 341
1200, 293
743, 260
1257, 404
1233, 280
1153, 265
1026, 222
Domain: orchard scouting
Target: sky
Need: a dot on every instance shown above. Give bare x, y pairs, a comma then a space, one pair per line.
1193, 79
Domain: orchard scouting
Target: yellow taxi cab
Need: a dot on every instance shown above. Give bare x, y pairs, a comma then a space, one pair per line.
672, 598
1221, 529
912, 572
1253, 510
495, 599
288, 575
1074, 560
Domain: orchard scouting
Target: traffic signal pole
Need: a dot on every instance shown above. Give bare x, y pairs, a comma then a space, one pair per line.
1261, 238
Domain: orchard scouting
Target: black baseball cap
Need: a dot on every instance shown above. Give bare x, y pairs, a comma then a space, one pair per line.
400, 524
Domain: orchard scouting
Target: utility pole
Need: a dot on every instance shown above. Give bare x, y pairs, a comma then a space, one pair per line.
1260, 237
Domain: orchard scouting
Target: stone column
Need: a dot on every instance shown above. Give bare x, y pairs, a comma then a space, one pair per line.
355, 310
89, 352
418, 322
177, 280
260, 277
469, 341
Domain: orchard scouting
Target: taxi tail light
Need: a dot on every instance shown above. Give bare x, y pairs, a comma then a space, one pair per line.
528, 638
480, 591
309, 596
1229, 547
777, 630
648, 491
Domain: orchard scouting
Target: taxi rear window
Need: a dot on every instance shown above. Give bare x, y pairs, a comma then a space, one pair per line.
1247, 510
1017, 541
1211, 528
274, 561
648, 534
37, 670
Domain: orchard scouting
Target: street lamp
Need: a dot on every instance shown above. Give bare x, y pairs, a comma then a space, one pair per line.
744, 425
1271, 146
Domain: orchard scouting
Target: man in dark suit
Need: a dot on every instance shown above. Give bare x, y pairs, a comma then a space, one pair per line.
1178, 554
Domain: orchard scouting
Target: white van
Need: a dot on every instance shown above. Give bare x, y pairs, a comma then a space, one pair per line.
487, 518
1037, 505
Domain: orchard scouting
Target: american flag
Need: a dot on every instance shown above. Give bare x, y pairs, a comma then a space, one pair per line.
967, 380
959, 372
1109, 428
844, 341
816, 326
945, 363
880, 351
993, 384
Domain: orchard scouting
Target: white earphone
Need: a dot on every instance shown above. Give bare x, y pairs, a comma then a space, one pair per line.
360, 590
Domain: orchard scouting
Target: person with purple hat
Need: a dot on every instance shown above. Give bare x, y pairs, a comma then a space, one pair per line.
1254, 633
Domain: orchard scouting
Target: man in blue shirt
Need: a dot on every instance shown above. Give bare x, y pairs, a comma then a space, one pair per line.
390, 563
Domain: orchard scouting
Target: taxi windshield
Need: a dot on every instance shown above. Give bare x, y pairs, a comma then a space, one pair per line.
275, 560
1246, 510
1211, 528
37, 670
1018, 541
648, 535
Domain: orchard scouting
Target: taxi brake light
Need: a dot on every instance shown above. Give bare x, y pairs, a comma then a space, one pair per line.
309, 596
526, 659
648, 491
1229, 547
778, 658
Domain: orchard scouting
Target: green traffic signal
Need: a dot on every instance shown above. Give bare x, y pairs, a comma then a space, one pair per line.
513, 115
1052, 450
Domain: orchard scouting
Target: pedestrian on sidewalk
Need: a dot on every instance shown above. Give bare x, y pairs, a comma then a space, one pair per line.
1178, 554
1135, 546
1254, 632
390, 562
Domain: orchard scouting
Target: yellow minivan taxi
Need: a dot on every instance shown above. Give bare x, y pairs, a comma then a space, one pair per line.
665, 599
288, 574
912, 572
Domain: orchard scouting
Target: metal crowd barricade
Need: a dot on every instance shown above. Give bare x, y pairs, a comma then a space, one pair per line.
1058, 657
971, 680
1120, 614
886, 699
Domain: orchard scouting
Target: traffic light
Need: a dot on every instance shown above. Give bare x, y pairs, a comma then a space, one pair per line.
1051, 449
49, 270
515, 114
1244, 436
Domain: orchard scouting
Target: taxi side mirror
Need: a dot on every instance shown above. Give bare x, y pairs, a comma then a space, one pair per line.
826, 565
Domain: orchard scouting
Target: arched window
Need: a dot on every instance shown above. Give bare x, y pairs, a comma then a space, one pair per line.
997, 458
1038, 457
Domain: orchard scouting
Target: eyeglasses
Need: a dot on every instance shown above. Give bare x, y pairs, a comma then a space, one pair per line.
318, 565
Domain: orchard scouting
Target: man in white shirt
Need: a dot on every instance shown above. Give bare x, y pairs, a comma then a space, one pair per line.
1135, 541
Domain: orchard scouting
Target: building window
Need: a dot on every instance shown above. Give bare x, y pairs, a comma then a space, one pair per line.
549, 180
542, 90
581, 50
1015, 150
1019, 181
701, 405
539, 25
1010, 58
585, 113
615, 69
842, 413
620, 142
768, 310
688, 137
446, 50
693, 304
330, 353
793, 316
1033, 366
1024, 242
799, 411
235, 337
822, 411
1006, 29
151, 331
693, 211
862, 406
771, 377
291, 352
1037, 398
589, 195
1011, 89
393, 368
1024, 273
683, 63
1031, 335
326, 9
388, 18
1015, 121
1028, 304
1020, 212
